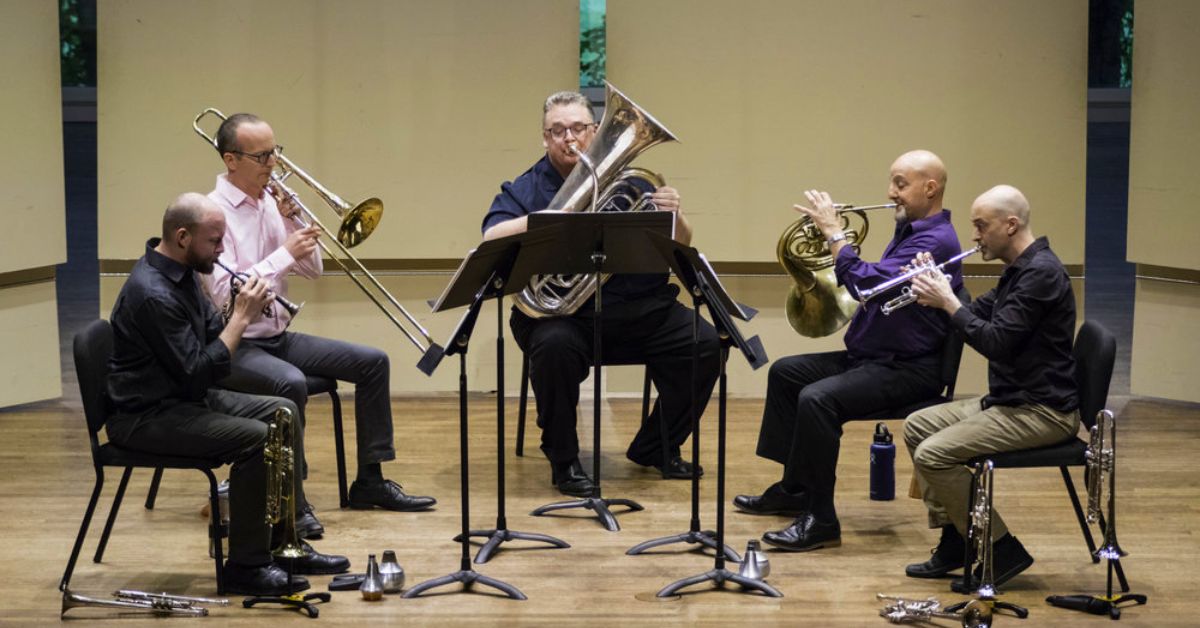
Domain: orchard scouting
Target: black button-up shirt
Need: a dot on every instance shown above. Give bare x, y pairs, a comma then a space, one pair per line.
166, 345
1025, 327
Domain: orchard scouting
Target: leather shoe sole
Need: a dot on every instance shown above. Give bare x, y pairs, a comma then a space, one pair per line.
807, 547
761, 505
956, 585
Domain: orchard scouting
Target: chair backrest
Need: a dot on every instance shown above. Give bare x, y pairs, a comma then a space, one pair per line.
952, 350
1095, 351
93, 346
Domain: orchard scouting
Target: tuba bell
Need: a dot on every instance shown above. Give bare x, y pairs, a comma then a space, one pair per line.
626, 130
816, 305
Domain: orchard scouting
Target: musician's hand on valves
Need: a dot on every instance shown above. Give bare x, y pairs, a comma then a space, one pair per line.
302, 242
252, 298
666, 199
822, 212
933, 288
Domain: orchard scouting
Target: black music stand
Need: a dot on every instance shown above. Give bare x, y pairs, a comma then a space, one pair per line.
694, 271
604, 242
531, 250
496, 263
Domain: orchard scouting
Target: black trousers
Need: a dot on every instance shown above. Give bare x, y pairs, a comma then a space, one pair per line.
656, 331
810, 397
231, 427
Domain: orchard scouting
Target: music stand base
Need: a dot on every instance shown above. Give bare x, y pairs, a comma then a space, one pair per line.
707, 538
719, 577
297, 601
468, 578
599, 505
497, 536
1019, 611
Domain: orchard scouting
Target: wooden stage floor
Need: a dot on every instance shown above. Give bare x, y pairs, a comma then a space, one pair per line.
47, 477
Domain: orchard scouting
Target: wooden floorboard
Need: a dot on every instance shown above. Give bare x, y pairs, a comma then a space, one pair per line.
47, 477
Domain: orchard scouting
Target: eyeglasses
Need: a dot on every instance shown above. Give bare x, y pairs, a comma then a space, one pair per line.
577, 129
263, 157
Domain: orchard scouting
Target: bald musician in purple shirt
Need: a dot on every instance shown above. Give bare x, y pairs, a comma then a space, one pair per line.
889, 361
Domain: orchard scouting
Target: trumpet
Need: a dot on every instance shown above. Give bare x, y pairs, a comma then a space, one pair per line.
237, 280
975, 614
907, 296
1101, 464
156, 603
981, 531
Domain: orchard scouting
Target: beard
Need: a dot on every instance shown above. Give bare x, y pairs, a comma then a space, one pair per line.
203, 265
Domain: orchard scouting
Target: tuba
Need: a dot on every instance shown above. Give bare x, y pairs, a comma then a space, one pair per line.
625, 132
816, 306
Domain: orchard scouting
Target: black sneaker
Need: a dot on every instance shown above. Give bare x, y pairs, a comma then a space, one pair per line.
946, 557
1009, 558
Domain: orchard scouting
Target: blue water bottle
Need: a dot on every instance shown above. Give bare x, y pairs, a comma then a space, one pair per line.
883, 465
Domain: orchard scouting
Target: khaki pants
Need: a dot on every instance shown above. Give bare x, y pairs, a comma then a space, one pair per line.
941, 438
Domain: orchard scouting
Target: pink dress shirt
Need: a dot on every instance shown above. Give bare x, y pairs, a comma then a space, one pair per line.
254, 235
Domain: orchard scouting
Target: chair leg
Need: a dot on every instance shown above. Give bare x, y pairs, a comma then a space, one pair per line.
1083, 526
112, 514
215, 532
152, 494
521, 405
83, 528
340, 445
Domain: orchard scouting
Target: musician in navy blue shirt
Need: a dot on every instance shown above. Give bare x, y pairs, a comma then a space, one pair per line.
642, 321
889, 361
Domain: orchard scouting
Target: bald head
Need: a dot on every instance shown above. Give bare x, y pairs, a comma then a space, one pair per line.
918, 182
1007, 201
185, 212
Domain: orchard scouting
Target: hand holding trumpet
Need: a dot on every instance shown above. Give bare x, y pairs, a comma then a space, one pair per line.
932, 289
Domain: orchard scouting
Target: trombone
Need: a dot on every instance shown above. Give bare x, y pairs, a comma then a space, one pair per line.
357, 223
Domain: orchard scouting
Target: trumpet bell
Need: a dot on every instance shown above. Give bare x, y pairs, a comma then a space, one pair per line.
359, 223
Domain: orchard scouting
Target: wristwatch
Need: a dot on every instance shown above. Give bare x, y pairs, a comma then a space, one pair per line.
837, 237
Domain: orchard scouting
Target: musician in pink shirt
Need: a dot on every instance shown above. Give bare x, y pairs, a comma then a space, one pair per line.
266, 239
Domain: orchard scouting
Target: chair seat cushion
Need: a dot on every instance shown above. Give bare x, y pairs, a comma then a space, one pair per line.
111, 455
318, 385
1068, 453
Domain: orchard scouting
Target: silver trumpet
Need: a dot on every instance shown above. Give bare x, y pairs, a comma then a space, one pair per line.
237, 280
155, 603
1101, 461
975, 614
981, 529
907, 297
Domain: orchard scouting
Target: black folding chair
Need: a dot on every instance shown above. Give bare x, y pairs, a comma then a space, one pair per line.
1095, 352
93, 346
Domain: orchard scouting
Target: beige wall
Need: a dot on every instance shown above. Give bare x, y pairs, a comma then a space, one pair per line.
427, 105
773, 97
1163, 221
32, 227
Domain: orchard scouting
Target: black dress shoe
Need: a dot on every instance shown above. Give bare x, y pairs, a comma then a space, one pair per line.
773, 501
677, 468
945, 558
387, 495
313, 563
1009, 558
806, 534
307, 526
570, 479
266, 579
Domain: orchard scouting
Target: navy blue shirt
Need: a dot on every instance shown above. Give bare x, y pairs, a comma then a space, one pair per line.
1025, 327
911, 332
166, 344
532, 192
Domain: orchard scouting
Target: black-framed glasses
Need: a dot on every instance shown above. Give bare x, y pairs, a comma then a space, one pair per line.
263, 157
577, 129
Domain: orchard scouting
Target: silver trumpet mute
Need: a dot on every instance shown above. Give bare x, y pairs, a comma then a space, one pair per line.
754, 563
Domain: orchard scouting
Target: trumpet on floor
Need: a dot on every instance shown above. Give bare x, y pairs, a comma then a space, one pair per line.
139, 601
907, 296
903, 611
